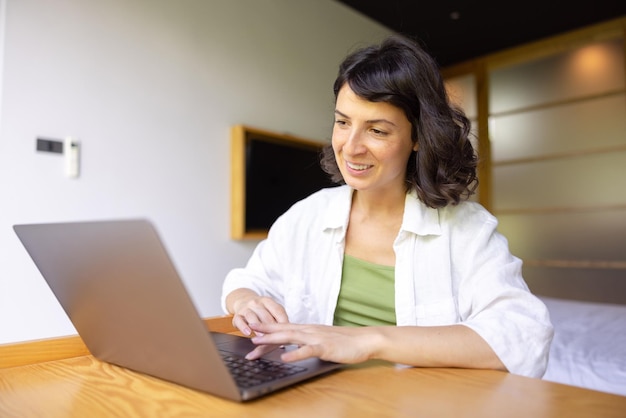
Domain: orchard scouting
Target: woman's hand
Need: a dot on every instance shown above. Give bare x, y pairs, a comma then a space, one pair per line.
331, 343
248, 307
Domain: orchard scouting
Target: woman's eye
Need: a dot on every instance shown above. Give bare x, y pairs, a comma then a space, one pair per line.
340, 122
378, 132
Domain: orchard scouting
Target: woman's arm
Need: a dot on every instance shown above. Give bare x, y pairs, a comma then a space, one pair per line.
436, 346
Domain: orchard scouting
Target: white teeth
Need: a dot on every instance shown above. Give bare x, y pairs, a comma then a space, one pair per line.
358, 166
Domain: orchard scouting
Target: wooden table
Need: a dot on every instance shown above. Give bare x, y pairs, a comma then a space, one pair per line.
86, 387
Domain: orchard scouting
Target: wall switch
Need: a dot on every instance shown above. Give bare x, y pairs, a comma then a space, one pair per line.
49, 145
71, 149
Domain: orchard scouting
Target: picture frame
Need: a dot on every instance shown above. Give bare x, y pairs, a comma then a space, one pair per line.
269, 173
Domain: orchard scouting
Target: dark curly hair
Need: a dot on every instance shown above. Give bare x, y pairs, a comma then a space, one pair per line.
400, 72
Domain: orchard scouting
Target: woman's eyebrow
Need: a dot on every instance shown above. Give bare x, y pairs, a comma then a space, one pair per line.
343, 115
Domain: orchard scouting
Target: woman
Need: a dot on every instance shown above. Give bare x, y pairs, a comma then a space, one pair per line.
394, 264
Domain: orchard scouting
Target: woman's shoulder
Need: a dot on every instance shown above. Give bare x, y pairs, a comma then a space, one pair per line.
465, 210
468, 213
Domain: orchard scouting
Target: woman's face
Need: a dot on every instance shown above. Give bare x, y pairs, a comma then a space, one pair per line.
372, 142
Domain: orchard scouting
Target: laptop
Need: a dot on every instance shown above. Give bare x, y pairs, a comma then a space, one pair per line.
121, 291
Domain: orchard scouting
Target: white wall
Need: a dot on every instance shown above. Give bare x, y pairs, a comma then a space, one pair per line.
151, 88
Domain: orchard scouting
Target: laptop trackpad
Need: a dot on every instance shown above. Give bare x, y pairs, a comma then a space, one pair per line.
233, 343
242, 345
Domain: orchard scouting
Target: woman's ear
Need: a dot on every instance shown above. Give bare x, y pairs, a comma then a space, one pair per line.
416, 146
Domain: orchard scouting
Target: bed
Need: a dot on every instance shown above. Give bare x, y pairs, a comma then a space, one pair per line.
589, 345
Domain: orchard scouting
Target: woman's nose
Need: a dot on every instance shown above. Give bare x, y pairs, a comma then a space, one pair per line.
354, 143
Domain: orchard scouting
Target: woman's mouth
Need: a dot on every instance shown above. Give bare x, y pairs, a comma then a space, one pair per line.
357, 167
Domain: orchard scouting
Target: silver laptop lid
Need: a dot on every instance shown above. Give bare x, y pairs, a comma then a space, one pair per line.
123, 295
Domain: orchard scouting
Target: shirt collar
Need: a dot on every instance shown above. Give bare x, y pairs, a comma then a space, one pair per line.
338, 209
418, 218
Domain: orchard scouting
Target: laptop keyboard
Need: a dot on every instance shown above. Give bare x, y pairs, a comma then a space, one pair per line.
248, 373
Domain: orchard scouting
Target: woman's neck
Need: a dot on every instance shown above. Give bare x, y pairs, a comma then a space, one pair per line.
374, 205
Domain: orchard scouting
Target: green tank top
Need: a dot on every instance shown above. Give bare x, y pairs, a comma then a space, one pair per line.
367, 295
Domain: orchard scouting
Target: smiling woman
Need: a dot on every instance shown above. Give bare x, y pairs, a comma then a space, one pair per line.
396, 263
401, 88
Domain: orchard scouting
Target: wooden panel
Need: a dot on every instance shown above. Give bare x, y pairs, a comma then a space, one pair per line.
31, 352
560, 130
238, 183
554, 174
586, 235
576, 182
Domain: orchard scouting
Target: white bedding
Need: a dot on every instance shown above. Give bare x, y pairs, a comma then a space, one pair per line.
589, 345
